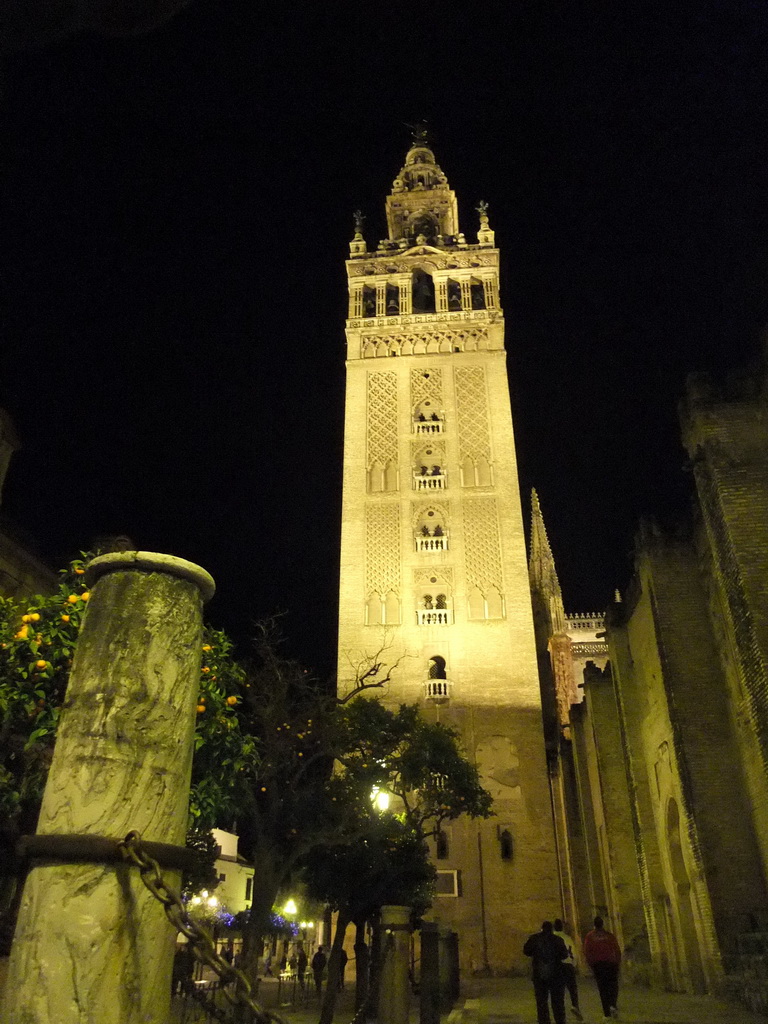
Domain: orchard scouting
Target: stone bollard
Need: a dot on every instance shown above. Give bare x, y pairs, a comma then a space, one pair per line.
92, 945
395, 990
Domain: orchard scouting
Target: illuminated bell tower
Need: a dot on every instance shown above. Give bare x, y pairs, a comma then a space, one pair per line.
433, 557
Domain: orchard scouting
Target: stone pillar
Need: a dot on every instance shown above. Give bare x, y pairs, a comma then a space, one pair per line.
92, 944
429, 975
395, 992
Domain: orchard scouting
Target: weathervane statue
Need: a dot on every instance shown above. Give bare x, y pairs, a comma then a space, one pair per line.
419, 133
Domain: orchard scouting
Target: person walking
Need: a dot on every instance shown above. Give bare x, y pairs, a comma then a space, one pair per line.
547, 952
301, 965
602, 953
569, 968
319, 961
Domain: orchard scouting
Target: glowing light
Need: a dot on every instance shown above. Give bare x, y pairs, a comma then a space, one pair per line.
212, 901
380, 798
290, 907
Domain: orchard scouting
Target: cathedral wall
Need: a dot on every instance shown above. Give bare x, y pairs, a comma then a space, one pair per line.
728, 442
616, 831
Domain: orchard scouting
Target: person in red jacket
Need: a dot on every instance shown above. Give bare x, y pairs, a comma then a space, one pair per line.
602, 953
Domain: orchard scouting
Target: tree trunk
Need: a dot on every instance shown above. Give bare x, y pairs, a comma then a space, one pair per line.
266, 887
362, 964
92, 944
334, 970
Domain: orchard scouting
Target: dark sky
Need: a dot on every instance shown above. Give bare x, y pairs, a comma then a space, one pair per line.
177, 213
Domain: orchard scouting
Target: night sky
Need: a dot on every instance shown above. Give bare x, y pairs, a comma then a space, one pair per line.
177, 212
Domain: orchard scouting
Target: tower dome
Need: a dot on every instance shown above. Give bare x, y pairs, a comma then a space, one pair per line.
421, 204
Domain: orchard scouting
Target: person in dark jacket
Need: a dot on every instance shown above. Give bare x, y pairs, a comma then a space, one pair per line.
547, 952
319, 960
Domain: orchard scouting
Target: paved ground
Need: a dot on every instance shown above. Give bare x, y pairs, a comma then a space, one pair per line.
510, 1001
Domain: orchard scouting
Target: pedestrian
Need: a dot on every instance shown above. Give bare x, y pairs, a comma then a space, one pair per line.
547, 952
343, 957
602, 953
569, 968
183, 968
318, 966
301, 964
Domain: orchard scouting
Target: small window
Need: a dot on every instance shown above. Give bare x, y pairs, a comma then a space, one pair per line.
248, 887
222, 878
505, 842
447, 883
441, 846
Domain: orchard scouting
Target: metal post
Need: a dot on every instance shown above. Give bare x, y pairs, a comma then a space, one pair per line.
429, 977
92, 944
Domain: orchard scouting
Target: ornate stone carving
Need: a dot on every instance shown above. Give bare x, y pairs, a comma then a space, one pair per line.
471, 339
382, 549
382, 418
427, 386
482, 548
433, 577
472, 413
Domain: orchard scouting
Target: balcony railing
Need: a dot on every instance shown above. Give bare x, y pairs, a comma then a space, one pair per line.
428, 426
438, 691
433, 616
430, 482
432, 543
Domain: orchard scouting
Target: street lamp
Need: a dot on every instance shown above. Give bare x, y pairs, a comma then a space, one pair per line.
380, 799
290, 908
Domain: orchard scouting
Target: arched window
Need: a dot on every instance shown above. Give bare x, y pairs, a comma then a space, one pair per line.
369, 300
425, 224
454, 295
441, 846
441, 601
478, 294
505, 843
437, 667
430, 533
423, 292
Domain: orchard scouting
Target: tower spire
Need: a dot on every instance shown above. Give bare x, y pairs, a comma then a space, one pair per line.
541, 567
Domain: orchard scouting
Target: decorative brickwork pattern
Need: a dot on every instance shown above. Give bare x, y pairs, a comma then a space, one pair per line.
420, 508
482, 545
382, 549
382, 418
427, 386
426, 450
471, 339
472, 412
433, 576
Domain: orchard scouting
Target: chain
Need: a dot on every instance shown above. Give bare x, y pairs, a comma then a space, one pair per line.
199, 938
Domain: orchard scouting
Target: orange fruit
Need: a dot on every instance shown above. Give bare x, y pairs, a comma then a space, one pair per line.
205, 669
200, 708
85, 596
231, 701
40, 664
34, 617
207, 647
25, 618
73, 599
79, 572
65, 618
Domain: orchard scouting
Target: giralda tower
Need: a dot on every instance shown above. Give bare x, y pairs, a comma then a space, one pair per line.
433, 559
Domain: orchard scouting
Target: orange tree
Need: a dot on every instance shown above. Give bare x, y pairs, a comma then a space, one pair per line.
37, 644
